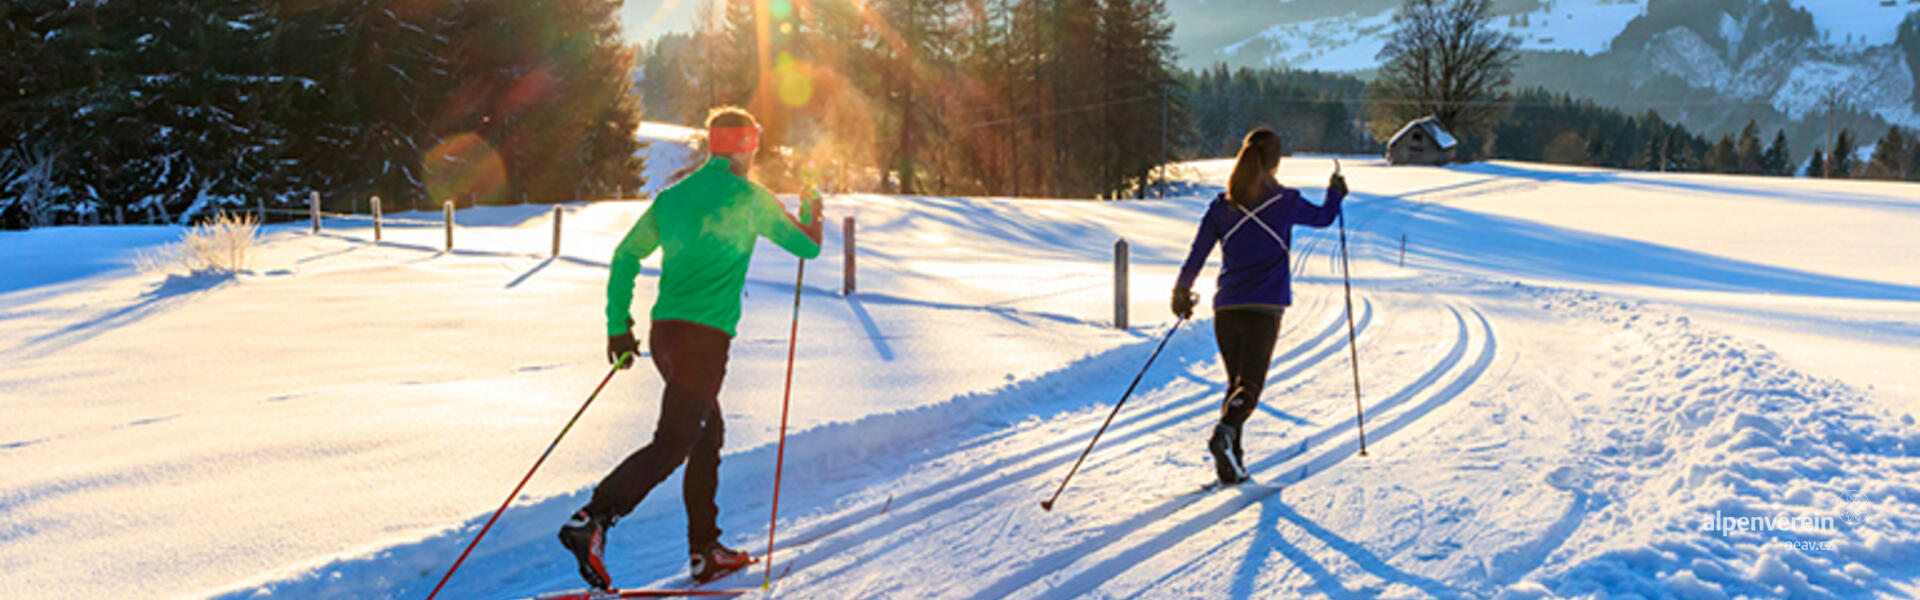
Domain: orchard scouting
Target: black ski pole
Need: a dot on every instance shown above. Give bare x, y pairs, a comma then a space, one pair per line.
1359, 413
1048, 504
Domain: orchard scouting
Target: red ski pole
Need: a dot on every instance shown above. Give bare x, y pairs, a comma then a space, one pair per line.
786, 399
523, 481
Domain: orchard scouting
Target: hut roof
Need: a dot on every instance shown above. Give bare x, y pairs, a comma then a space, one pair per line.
1434, 130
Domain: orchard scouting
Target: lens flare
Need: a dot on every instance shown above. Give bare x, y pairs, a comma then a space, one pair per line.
793, 79
533, 88
466, 169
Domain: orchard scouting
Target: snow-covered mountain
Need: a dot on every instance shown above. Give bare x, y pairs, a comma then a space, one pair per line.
1769, 60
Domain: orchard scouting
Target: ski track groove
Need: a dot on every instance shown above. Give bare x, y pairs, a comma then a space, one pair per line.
1320, 358
1088, 579
858, 520
1328, 341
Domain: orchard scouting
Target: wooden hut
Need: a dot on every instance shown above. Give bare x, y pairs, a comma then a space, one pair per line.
1421, 142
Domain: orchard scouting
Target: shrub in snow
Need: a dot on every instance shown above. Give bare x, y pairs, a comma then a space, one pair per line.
224, 244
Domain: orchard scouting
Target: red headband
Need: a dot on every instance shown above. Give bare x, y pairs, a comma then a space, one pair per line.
733, 140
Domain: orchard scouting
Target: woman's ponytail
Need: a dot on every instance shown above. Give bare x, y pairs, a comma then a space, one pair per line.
1259, 155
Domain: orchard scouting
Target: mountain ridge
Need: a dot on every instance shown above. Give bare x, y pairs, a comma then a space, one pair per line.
1713, 65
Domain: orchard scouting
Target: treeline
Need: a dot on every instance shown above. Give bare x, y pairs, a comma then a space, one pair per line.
173, 109
1546, 127
1312, 111
1542, 126
1069, 98
1322, 113
1896, 157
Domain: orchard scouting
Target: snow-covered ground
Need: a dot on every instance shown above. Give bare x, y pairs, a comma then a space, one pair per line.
669, 149
1575, 370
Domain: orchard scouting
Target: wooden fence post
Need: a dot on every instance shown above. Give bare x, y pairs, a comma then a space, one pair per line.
119, 215
448, 209
1403, 250
556, 230
313, 208
846, 231
376, 219
260, 207
1120, 284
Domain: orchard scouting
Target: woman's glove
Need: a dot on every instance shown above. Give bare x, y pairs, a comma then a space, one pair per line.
1183, 301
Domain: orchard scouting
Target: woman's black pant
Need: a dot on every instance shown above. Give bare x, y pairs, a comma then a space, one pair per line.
1246, 340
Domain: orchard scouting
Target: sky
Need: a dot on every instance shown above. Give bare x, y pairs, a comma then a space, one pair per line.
646, 19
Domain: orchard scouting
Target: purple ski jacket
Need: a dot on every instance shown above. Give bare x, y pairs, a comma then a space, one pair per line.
1253, 256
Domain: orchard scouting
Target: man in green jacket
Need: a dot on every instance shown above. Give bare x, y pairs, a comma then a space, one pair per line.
706, 226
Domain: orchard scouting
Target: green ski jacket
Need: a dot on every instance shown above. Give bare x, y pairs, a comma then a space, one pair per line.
706, 226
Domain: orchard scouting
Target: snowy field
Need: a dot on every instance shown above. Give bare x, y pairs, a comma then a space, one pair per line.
1574, 371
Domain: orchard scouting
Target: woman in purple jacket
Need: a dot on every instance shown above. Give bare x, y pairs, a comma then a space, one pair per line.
1253, 224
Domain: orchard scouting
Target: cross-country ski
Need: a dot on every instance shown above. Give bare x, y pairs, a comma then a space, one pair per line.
610, 594
1009, 299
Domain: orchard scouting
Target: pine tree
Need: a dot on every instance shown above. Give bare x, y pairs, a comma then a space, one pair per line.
671, 87
908, 65
1816, 164
1723, 157
1568, 149
371, 129
1136, 50
1778, 161
1890, 157
176, 109
1913, 159
1843, 163
1651, 156
1675, 151
30, 133
1748, 151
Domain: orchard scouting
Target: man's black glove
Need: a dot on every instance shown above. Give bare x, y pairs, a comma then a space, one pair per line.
622, 344
1337, 186
1183, 301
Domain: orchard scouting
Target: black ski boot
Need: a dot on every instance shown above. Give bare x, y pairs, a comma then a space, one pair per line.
586, 537
1239, 454
714, 561
1226, 454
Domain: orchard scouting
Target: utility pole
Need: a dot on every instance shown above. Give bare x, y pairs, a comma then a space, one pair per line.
1826, 166
1666, 141
1163, 142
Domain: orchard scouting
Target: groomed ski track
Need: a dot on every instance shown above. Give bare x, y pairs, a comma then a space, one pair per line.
938, 486
1486, 474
